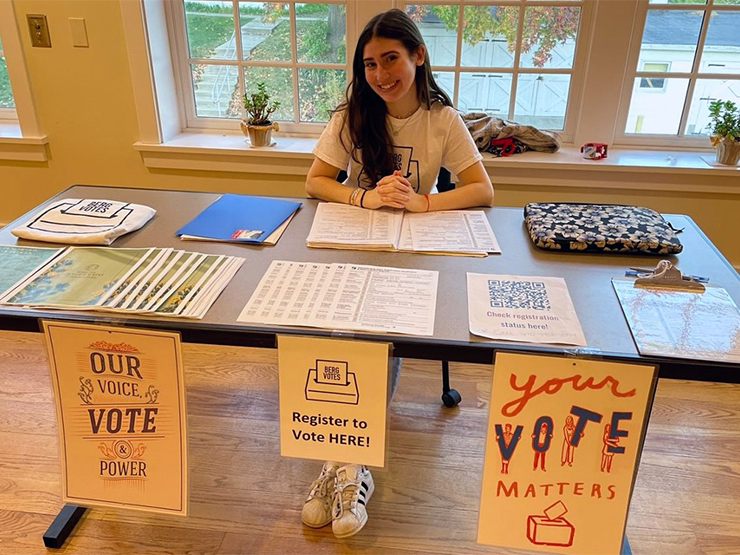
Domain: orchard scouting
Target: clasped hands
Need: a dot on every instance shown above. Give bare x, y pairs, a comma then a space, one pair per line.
395, 191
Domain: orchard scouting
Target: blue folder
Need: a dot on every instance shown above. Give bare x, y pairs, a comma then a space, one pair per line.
240, 218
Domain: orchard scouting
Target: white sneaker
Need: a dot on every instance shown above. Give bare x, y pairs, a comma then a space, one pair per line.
354, 488
317, 510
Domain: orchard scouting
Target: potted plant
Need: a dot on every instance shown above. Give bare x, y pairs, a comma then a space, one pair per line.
725, 131
257, 124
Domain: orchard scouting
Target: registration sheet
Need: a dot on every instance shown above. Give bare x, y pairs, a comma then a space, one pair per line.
518, 308
452, 231
345, 296
684, 324
342, 226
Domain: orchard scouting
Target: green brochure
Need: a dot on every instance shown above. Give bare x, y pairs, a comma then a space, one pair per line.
18, 262
182, 293
83, 277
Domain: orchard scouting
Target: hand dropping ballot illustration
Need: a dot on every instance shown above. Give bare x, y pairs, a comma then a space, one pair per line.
588, 415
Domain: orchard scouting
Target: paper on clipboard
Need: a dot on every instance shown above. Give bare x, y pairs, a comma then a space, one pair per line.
683, 324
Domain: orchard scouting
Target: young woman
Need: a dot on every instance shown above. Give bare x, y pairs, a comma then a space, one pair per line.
395, 130
392, 134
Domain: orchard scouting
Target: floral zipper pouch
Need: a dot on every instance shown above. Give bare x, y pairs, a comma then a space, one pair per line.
610, 228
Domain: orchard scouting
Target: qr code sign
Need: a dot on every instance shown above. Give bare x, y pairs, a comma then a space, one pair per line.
518, 294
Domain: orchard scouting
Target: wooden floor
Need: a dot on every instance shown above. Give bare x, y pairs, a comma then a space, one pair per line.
245, 498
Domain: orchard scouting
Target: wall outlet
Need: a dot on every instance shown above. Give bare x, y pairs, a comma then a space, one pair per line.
39, 30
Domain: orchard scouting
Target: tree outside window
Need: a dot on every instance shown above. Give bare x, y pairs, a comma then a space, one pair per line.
262, 47
6, 93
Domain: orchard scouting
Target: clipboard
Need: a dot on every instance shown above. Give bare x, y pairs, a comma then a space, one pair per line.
672, 316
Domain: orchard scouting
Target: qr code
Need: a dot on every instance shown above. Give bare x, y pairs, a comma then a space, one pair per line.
518, 294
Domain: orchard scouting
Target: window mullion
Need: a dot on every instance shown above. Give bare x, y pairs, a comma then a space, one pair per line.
294, 58
517, 56
182, 68
458, 54
694, 72
241, 78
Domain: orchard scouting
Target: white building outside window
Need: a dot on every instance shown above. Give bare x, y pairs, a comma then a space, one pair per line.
692, 49
515, 60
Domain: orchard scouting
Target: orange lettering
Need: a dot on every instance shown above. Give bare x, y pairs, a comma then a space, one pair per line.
553, 385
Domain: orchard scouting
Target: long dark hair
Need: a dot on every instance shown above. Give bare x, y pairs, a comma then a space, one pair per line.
366, 111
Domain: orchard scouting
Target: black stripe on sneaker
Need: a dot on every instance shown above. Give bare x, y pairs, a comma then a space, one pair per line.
361, 501
364, 485
362, 493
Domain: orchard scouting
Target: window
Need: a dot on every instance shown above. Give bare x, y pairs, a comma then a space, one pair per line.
513, 59
298, 49
700, 41
654, 83
7, 104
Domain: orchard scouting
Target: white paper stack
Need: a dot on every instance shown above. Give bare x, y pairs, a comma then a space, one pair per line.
345, 296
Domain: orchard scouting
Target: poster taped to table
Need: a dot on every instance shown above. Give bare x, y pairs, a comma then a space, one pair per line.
562, 450
333, 398
120, 402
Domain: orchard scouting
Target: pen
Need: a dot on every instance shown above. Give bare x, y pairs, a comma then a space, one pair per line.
636, 272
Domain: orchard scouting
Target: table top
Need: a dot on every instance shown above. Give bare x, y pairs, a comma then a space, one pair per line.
588, 277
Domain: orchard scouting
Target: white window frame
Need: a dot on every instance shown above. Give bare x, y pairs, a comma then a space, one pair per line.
181, 66
664, 140
20, 137
576, 72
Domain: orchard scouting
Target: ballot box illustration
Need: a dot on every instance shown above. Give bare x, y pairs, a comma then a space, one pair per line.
332, 382
551, 528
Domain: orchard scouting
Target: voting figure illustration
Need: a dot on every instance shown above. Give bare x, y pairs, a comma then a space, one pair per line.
507, 441
332, 382
541, 440
569, 430
606, 454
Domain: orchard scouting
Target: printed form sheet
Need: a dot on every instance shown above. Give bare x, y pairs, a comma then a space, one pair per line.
339, 223
452, 231
684, 324
345, 296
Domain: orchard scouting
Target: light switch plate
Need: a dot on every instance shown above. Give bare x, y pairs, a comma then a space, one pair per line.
39, 30
79, 31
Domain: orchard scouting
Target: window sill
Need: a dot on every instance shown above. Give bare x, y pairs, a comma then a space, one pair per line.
623, 169
229, 153
14, 146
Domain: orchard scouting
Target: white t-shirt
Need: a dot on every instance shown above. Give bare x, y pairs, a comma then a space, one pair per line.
84, 221
423, 142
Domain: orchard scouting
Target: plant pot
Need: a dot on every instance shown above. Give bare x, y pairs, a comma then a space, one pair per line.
728, 152
259, 135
